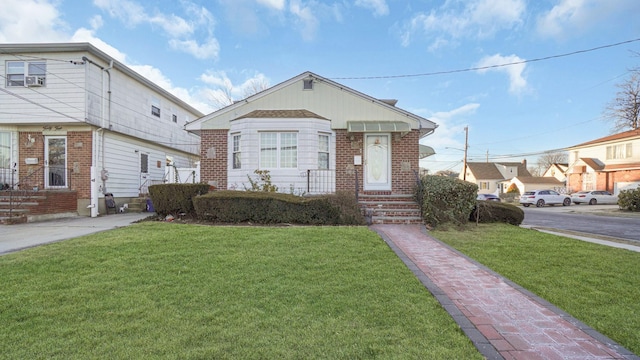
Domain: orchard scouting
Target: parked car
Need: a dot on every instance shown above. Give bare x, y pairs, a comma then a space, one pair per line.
594, 197
541, 198
488, 197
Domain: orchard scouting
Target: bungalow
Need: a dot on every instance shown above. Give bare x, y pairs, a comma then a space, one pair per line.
610, 163
77, 124
490, 177
314, 135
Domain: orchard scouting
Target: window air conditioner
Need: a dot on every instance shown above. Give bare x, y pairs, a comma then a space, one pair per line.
34, 81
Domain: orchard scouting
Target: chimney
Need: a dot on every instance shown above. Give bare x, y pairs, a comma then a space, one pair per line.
524, 162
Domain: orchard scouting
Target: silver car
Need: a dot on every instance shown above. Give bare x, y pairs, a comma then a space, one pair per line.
540, 198
594, 197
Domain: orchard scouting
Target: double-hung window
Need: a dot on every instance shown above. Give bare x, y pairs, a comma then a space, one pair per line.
323, 151
26, 73
236, 152
621, 151
278, 150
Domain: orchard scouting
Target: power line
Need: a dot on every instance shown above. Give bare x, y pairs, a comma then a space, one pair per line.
488, 66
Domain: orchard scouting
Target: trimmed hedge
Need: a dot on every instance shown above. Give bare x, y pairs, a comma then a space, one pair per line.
273, 208
446, 199
175, 198
493, 212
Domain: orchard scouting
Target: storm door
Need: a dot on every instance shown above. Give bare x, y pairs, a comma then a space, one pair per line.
377, 167
55, 162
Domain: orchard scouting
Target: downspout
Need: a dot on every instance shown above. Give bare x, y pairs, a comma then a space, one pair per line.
104, 173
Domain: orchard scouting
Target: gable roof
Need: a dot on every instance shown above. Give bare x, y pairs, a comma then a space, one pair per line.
627, 135
220, 119
280, 114
489, 170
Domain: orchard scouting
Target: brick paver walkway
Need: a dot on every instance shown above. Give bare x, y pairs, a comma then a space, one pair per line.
503, 320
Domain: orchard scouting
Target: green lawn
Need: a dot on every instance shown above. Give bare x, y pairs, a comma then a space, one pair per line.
159, 290
596, 284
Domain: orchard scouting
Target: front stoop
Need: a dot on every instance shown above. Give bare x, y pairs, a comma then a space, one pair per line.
390, 208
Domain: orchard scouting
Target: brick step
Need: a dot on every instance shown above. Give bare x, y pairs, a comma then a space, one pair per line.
396, 220
394, 212
6, 220
7, 204
389, 205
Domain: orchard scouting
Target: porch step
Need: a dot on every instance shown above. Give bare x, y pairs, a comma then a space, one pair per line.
390, 208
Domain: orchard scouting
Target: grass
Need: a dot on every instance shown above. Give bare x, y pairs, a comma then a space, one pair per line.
159, 290
596, 284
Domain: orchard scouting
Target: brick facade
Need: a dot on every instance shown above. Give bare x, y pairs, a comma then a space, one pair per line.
31, 146
213, 157
603, 180
79, 147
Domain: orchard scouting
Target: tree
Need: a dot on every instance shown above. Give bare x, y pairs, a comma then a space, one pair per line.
624, 109
224, 95
548, 159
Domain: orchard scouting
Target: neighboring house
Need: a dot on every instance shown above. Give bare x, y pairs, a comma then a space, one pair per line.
490, 177
529, 183
611, 163
557, 171
76, 121
314, 136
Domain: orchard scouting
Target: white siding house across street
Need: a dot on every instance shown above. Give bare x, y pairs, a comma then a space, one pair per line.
73, 118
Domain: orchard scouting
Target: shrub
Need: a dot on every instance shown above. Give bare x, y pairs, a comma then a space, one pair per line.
446, 200
175, 198
629, 200
493, 212
273, 208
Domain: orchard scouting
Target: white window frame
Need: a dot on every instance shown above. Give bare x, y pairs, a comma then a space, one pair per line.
484, 185
35, 68
236, 153
324, 152
620, 151
155, 106
277, 149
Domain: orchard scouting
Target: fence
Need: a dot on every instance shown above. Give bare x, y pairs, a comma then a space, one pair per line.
321, 181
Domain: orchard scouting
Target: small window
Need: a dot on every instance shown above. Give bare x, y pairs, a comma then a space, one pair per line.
144, 163
174, 118
155, 106
237, 164
307, 84
323, 151
26, 73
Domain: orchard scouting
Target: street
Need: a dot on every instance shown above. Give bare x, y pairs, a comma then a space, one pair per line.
603, 220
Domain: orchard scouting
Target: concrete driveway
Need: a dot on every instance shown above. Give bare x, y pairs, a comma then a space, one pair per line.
22, 236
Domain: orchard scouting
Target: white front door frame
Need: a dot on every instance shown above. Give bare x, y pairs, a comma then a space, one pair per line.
377, 164
55, 162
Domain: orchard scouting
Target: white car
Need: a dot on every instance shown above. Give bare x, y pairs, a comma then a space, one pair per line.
594, 197
541, 198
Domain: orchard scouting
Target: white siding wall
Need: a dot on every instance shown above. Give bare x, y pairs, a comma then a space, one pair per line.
60, 100
122, 161
285, 179
325, 100
600, 152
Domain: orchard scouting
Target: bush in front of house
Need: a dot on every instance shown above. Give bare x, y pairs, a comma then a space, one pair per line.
629, 200
175, 198
446, 199
276, 208
496, 212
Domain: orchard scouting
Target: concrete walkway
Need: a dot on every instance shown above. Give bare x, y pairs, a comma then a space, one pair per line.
503, 320
21, 236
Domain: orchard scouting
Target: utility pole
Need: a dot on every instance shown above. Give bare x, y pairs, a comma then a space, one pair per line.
466, 145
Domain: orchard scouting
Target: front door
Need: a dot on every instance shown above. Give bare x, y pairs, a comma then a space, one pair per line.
377, 165
55, 162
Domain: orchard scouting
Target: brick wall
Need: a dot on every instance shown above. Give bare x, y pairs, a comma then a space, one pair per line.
213, 157
604, 180
54, 202
31, 145
79, 147
405, 160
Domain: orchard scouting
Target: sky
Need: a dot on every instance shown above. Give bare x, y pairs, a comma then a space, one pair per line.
522, 76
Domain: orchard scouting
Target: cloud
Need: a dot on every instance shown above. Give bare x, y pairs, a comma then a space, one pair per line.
379, 7
225, 92
181, 32
274, 4
517, 82
18, 23
305, 19
456, 20
577, 16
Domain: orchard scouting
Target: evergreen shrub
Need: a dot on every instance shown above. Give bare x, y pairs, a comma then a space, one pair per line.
496, 212
446, 199
629, 200
175, 198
